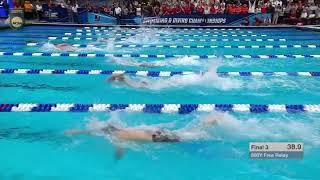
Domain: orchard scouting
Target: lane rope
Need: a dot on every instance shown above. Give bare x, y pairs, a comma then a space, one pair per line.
202, 34
166, 35
161, 108
178, 46
148, 31
150, 73
276, 56
175, 39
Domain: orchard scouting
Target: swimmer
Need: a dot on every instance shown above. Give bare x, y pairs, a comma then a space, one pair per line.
147, 65
134, 63
145, 134
65, 47
103, 40
121, 78
148, 133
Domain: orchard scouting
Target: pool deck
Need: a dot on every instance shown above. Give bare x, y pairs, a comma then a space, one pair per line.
307, 27
310, 28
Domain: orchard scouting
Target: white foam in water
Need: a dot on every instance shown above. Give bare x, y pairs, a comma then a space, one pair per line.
227, 128
208, 79
230, 128
289, 83
186, 60
146, 37
88, 49
47, 47
123, 62
183, 61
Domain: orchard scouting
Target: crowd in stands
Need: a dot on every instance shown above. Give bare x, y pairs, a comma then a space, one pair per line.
283, 11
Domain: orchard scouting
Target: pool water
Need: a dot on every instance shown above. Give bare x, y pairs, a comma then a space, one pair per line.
34, 146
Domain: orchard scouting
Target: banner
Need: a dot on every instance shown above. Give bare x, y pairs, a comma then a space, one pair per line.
5, 7
209, 20
55, 14
95, 18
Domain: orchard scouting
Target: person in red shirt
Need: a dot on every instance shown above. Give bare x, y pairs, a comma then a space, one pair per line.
232, 9
187, 8
244, 9
176, 9
238, 9
263, 9
200, 9
164, 9
213, 10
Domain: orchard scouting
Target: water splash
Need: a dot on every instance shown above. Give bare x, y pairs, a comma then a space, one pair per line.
209, 78
48, 47
229, 128
183, 61
225, 129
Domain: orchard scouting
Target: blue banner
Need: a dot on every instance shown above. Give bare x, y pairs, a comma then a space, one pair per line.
94, 18
55, 14
176, 19
5, 7
210, 19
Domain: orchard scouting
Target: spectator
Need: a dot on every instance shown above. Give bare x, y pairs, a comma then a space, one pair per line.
246, 22
131, 10
138, 10
39, 10
117, 12
207, 9
252, 6
28, 9
276, 14
74, 9
125, 11
156, 10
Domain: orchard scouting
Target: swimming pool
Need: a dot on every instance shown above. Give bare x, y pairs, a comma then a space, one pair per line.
266, 81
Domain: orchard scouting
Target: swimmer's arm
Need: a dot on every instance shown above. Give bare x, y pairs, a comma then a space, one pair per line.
78, 132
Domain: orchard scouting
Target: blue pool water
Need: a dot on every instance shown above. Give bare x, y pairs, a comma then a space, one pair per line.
33, 145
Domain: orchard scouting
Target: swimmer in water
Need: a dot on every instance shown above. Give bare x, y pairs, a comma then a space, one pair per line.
121, 78
147, 64
65, 47
134, 63
145, 134
103, 40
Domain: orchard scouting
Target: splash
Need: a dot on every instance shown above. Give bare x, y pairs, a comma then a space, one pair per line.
106, 45
47, 47
224, 127
209, 78
146, 37
229, 128
88, 49
183, 61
